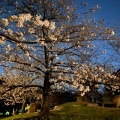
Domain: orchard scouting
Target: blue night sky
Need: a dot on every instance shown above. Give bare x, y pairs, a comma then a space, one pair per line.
110, 11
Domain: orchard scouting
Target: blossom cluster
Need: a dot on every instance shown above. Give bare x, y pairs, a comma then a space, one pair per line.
33, 24
2, 40
4, 22
20, 19
84, 77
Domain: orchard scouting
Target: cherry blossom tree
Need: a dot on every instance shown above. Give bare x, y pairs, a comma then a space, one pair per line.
48, 40
18, 87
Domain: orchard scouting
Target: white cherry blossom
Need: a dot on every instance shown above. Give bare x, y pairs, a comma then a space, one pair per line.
4, 22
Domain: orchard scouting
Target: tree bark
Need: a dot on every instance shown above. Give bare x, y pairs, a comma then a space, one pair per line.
45, 104
45, 108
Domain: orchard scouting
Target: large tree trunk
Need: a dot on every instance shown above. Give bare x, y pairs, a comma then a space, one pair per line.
45, 104
45, 107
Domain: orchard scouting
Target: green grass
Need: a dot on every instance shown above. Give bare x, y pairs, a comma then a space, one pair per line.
78, 111
21, 116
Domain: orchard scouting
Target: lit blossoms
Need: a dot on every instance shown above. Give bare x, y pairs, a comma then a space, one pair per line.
90, 75
112, 33
2, 40
4, 22
22, 18
46, 23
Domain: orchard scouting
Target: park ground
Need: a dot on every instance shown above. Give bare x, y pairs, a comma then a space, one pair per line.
74, 111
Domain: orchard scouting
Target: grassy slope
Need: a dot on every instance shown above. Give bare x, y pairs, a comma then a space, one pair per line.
78, 111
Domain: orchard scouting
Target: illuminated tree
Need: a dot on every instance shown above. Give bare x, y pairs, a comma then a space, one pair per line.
19, 87
48, 40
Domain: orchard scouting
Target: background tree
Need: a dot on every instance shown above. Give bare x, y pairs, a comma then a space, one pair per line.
19, 87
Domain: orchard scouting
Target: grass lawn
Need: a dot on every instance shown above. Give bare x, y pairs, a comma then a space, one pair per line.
76, 111
21, 116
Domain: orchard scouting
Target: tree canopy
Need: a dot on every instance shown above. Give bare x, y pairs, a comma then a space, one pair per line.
53, 44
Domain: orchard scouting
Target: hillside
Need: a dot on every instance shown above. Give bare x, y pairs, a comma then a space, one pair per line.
76, 111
